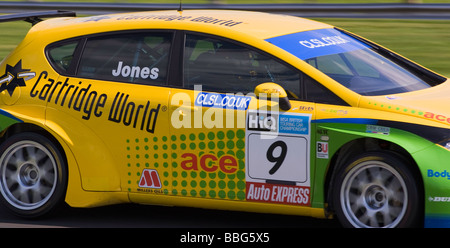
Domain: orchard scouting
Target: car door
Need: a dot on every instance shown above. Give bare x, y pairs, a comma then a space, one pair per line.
113, 107
229, 143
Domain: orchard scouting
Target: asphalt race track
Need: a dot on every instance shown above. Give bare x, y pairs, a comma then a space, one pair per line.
144, 216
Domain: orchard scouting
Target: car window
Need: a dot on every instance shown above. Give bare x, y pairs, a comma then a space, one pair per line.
61, 56
132, 57
223, 66
361, 67
367, 73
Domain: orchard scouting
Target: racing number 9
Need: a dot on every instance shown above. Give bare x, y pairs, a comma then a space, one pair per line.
280, 158
269, 159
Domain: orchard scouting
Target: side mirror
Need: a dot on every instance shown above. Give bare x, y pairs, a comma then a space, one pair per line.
272, 91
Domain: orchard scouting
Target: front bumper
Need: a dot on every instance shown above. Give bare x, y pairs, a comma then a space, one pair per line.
434, 165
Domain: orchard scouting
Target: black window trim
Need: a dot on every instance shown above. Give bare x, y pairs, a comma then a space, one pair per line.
176, 68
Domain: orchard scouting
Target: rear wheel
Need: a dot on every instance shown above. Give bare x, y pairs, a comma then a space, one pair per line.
377, 190
33, 175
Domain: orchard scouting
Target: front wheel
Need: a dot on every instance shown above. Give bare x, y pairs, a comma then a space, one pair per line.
377, 190
33, 175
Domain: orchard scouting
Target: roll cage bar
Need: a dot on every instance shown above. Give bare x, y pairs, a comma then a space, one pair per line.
35, 17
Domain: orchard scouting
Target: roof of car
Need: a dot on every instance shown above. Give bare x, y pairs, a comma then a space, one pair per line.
257, 24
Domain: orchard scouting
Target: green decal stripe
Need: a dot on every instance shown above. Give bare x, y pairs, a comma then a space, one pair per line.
3, 114
433, 134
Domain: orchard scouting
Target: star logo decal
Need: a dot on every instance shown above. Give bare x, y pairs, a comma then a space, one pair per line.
14, 77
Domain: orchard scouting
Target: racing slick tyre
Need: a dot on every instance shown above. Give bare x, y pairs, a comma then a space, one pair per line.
377, 190
33, 175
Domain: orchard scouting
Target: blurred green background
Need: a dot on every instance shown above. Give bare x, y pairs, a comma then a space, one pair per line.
425, 41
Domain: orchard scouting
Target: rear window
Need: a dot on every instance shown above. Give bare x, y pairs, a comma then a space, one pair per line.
134, 58
61, 56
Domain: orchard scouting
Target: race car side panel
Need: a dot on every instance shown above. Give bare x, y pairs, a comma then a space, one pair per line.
245, 206
26, 97
76, 195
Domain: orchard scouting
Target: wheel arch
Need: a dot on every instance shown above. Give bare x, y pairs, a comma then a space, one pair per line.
29, 127
357, 147
76, 195
73, 173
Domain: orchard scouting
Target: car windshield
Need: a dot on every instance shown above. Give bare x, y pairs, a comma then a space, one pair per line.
358, 66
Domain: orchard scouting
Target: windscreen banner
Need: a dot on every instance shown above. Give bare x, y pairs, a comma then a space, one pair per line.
316, 43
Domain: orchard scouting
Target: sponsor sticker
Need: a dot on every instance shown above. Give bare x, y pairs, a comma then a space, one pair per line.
226, 101
15, 76
150, 179
81, 97
316, 43
168, 18
273, 193
283, 158
135, 71
322, 150
277, 157
294, 124
439, 199
377, 129
439, 174
262, 121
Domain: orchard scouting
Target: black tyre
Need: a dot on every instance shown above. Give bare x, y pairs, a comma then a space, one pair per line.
377, 190
33, 175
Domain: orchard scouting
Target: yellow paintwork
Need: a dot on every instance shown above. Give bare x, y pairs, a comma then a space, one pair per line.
271, 90
107, 159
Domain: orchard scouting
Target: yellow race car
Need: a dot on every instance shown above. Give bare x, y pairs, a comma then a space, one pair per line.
222, 109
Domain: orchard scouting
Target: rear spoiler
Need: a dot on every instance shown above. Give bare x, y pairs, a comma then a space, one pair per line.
35, 17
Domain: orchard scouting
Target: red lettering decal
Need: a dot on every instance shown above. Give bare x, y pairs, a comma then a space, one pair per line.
190, 164
428, 115
208, 163
205, 166
228, 164
440, 117
281, 194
